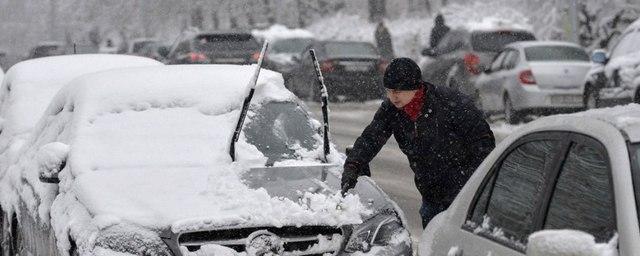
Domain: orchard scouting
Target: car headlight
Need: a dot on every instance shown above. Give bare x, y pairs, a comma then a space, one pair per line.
377, 231
132, 240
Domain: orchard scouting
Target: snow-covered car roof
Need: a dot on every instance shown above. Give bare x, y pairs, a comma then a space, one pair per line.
30, 85
148, 143
524, 44
625, 119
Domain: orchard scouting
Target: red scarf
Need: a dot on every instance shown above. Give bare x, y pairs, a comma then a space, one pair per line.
414, 107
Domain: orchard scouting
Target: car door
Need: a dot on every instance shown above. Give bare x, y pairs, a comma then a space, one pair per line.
509, 78
504, 210
582, 198
489, 84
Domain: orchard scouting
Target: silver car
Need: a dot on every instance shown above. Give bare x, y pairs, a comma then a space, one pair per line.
576, 172
534, 77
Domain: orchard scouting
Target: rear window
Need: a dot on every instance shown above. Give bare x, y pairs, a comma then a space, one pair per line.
555, 53
296, 45
494, 41
48, 50
137, 47
350, 49
226, 42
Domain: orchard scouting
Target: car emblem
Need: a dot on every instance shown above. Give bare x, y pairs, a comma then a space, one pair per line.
264, 243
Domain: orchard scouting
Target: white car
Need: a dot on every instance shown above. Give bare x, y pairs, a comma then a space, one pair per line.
615, 78
576, 171
30, 85
536, 77
137, 161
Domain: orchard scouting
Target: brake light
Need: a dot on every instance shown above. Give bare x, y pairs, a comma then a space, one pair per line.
327, 66
382, 65
198, 57
255, 56
471, 63
526, 77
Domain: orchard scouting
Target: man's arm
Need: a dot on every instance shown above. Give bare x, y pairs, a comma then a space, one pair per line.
474, 130
374, 136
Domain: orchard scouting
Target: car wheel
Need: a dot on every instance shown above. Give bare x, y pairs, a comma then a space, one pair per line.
510, 115
591, 99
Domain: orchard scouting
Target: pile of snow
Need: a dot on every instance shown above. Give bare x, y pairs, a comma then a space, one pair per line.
278, 32
568, 243
411, 34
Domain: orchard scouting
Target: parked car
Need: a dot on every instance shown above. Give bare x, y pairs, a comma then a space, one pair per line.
284, 55
30, 85
351, 70
574, 171
534, 78
114, 169
136, 45
45, 49
156, 50
462, 55
217, 48
615, 77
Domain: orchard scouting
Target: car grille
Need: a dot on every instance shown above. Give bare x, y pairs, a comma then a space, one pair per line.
296, 240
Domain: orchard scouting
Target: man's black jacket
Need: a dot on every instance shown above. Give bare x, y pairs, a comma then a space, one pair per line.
444, 146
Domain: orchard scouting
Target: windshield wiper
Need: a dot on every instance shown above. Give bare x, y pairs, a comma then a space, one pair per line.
251, 88
325, 111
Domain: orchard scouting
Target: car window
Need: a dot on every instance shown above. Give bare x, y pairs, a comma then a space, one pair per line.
506, 205
497, 62
494, 41
222, 42
281, 131
555, 53
627, 45
350, 49
583, 197
510, 60
293, 45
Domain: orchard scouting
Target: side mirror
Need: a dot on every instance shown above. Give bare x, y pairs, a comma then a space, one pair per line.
599, 56
163, 51
428, 52
51, 159
566, 242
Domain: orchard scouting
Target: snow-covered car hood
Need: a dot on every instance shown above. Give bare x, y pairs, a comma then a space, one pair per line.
196, 198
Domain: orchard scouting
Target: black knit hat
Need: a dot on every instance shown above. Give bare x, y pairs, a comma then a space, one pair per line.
402, 74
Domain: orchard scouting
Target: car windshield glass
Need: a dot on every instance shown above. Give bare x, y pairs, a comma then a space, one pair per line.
295, 45
216, 42
281, 131
555, 53
494, 41
350, 49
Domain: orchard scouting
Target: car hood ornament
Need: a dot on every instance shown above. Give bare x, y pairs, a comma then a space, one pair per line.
264, 243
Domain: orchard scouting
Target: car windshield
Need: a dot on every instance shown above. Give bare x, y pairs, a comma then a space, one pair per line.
217, 42
294, 45
281, 131
555, 53
494, 41
350, 49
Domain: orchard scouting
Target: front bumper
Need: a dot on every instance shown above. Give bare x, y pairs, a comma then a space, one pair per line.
532, 97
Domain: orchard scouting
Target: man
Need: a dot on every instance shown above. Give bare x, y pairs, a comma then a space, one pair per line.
383, 41
439, 30
439, 129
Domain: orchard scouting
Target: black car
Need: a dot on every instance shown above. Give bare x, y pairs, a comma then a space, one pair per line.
462, 55
284, 54
215, 48
352, 71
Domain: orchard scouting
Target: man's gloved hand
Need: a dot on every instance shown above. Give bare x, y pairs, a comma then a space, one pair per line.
349, 176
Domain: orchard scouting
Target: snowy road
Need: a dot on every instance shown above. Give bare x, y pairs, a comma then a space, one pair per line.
390, 168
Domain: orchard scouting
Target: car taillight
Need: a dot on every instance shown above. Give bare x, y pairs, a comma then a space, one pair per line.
382, 65
327, 66
471, 63
198, 57
255, 56
526, 77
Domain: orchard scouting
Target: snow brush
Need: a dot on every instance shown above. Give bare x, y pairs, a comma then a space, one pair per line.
251, 88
